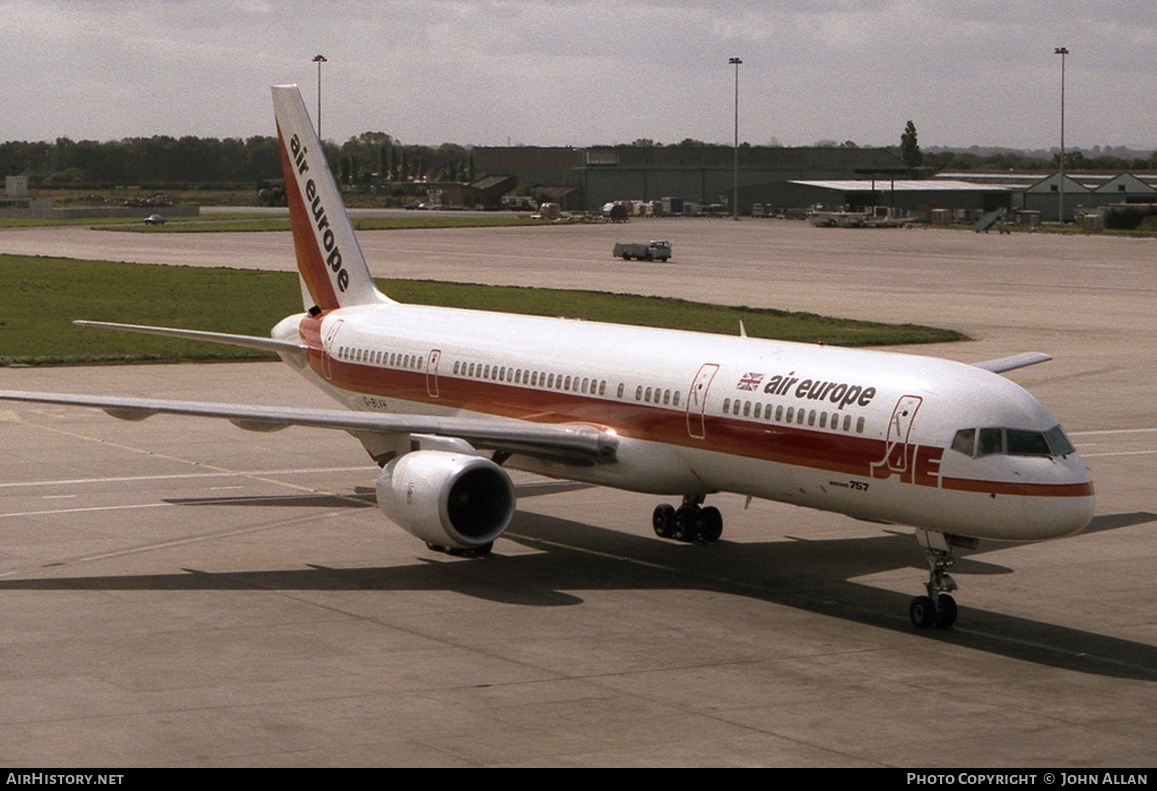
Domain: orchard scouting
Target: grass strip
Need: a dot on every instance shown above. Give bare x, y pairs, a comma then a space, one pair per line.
240, 223
47, 294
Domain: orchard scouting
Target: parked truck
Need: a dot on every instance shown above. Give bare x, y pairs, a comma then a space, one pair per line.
654, 250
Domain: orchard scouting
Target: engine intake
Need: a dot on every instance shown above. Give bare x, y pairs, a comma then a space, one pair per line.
453, 500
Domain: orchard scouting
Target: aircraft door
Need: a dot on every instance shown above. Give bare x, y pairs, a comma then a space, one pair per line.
432, 360
697, 400
896, 451
327, 345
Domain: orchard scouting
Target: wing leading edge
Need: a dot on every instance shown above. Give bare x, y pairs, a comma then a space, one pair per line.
1014, 361
584, 444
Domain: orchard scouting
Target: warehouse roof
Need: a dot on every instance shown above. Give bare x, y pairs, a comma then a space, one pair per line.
901, 185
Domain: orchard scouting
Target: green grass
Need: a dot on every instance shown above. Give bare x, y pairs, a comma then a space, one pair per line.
665, 312
44, 296
233, 223
9, 222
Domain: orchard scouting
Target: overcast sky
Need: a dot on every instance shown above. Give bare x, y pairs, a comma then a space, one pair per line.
585, 72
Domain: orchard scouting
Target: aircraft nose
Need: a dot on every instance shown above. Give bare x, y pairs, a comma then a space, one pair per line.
1070, 507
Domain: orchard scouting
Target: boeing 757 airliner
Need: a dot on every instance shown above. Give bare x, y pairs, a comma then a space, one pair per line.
446, 399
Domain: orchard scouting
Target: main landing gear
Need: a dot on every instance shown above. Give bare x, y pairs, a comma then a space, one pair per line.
690, 522
938, 608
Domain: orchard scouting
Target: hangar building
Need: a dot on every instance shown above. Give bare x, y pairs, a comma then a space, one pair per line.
702, 174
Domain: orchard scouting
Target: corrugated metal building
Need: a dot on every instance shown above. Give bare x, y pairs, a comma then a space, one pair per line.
702, 174
910, 197
1082, 193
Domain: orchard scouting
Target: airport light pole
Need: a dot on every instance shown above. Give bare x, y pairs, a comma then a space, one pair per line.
1062, 51
735, 164
319, 59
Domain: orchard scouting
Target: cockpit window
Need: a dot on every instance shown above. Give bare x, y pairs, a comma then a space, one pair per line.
991, 442
965, 441
1012, 442
1058, 441
1026, 443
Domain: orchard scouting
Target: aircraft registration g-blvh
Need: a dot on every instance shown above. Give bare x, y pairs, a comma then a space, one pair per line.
444, 399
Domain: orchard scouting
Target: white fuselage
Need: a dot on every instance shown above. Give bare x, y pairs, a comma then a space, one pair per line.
865, 433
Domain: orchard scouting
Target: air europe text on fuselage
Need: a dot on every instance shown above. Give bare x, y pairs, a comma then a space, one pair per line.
839, 393
321, 220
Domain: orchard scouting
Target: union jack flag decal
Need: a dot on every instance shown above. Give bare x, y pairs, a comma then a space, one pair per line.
749, 382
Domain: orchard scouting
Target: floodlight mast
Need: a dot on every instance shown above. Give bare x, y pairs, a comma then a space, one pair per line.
1062, 51
319, 59
735, 164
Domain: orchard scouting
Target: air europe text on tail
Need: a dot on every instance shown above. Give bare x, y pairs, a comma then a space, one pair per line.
328, 256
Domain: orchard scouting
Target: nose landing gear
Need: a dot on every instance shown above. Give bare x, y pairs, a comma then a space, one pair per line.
938, 608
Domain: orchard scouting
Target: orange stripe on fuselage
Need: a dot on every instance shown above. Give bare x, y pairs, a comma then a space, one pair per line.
1019, 489
766, 441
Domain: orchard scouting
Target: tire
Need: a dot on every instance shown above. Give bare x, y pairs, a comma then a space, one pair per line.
922, 611
685, 525
946, 611
663, 520
711, 525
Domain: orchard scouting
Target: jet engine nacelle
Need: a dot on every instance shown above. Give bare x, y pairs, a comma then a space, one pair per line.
451, 500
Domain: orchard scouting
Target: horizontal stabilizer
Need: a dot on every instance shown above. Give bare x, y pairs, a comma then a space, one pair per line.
248, 341
1012, 362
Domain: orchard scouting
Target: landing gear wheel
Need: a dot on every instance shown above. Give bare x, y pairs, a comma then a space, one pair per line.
663, 520
690, 522
945, 611
711, 525
686, 525
922, 610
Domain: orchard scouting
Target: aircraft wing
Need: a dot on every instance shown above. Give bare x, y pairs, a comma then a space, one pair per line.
1012, 362
573, 442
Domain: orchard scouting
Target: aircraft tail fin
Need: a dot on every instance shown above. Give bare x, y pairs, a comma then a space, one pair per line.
329, 259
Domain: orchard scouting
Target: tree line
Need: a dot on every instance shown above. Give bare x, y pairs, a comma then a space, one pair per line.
165, 160
377, 157
1027, 161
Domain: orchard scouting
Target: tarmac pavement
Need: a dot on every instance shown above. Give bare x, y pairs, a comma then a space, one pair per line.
183, 593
